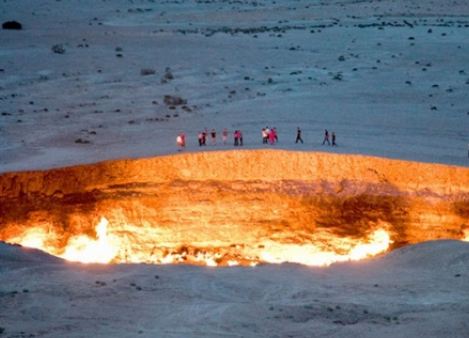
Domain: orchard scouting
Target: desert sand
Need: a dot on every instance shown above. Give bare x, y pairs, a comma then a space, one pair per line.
86, 81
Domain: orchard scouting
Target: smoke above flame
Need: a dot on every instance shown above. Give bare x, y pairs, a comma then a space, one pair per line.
108, 247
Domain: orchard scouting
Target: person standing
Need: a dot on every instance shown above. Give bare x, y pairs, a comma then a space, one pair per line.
265, 135
181, 141
298, 135
183, 137
333, 140
204, 137
236, 138
271, 136
200, 137
274, 130
225, 136
240, 137
326, 137
213, 134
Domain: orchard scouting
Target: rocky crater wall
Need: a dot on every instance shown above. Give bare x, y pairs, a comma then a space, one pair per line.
240, 197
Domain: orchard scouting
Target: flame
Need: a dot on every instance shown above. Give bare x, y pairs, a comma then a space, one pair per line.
114, 247
86, 250
466, 235
33, 238
310, 254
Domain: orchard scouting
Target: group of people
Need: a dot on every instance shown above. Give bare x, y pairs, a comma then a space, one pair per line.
202, 137
326, 138
238, 138
269, 136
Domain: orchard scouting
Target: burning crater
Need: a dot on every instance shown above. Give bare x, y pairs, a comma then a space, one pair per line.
234, 208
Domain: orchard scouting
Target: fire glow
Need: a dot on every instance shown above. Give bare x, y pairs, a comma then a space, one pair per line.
207, 209
106, 247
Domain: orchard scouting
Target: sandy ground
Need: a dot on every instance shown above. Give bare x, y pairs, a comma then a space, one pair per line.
389, 77
418, 291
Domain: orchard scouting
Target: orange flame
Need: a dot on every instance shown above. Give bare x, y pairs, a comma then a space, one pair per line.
108, 247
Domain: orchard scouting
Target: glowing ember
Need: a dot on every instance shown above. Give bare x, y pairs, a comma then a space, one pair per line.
107, 248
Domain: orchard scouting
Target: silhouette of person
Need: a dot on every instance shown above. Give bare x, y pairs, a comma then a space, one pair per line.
298, 135
326, 137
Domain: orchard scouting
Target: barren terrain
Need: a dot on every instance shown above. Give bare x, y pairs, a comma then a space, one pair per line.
86, 81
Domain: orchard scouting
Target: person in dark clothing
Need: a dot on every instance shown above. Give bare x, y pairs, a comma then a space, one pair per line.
326, 137
204, 137
200, 137
213, 134
236, 138
333, 139
298, 135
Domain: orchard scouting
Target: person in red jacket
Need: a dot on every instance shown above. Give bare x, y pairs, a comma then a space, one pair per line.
272, 136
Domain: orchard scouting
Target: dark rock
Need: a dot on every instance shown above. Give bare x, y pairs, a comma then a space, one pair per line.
170, 100
338, 77
147, 71
12, 25
168, 75
58, 49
